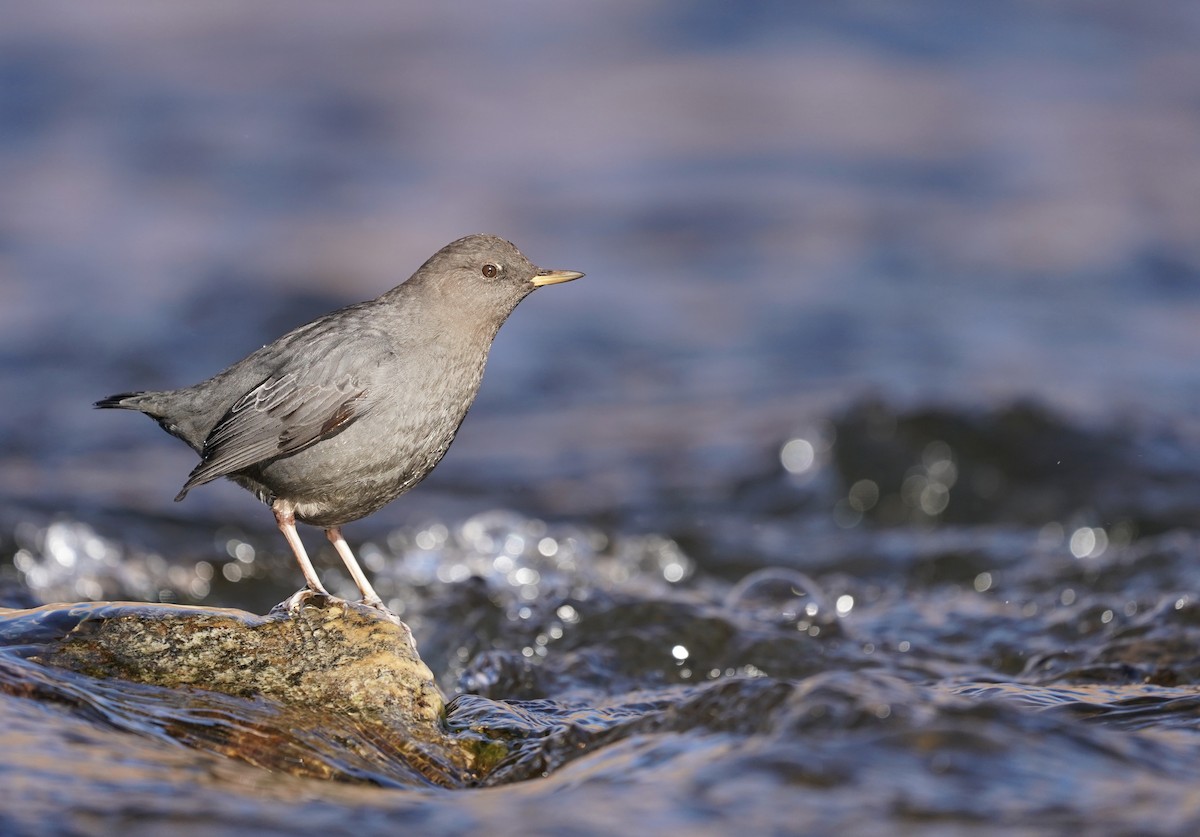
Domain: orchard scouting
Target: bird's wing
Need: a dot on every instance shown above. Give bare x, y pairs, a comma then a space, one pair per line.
292, 409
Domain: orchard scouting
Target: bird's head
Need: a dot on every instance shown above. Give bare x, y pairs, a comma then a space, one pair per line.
484, 275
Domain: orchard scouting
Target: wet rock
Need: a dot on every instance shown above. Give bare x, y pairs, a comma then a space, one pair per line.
318, 687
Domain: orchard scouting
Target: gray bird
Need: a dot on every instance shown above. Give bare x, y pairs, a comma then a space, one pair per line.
339, 417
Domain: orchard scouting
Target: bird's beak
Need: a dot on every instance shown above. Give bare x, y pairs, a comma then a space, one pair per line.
553, 277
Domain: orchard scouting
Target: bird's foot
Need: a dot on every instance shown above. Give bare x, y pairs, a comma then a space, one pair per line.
306, 596
376, 603
302, 597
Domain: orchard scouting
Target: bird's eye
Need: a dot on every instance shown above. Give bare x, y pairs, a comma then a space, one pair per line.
490, 270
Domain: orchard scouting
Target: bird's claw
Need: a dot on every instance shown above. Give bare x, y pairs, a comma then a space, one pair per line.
303, 596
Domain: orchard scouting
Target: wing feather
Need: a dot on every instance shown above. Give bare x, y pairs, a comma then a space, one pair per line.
286, 413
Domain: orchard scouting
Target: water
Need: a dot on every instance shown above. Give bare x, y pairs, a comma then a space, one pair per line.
853, 490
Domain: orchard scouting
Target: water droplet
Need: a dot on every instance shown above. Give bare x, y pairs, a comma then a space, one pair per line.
781, 596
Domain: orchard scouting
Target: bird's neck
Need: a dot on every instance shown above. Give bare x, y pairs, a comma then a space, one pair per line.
437, 309
447, 326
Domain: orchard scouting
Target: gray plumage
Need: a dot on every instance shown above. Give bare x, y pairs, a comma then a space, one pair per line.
338, 417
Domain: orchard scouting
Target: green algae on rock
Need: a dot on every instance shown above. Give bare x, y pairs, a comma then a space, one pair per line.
319, 687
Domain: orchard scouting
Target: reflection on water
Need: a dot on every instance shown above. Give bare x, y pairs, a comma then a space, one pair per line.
765, 663
968, 703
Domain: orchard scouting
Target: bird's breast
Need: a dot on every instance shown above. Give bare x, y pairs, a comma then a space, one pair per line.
412, 417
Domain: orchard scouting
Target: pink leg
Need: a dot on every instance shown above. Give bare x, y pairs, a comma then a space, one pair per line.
286, 519
369, 596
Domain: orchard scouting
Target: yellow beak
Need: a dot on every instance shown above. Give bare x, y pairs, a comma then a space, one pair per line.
554, 277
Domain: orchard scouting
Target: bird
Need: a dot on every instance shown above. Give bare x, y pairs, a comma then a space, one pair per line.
338, 417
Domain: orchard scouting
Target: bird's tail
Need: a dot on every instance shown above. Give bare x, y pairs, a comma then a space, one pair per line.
123, 401
157, 405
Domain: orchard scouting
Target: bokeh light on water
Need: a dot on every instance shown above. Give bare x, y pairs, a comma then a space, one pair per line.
527, 555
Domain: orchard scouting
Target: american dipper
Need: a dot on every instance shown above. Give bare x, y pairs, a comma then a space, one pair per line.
339, 417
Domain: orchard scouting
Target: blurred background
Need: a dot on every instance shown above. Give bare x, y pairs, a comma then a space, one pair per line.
781, 207
856, 484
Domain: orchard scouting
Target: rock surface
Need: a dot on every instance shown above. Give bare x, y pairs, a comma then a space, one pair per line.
319, 687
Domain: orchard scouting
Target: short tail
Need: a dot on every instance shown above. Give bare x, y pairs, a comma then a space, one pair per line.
120, 401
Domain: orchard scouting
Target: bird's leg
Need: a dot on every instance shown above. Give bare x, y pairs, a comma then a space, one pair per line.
286, 518
369, 596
